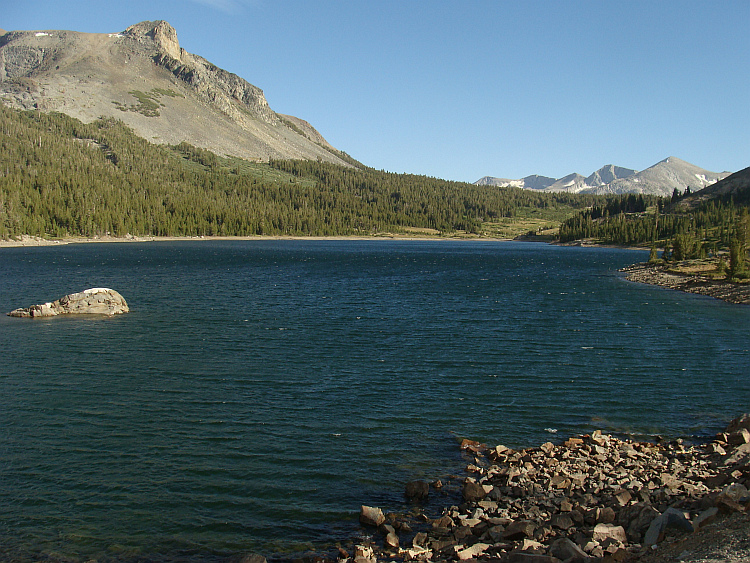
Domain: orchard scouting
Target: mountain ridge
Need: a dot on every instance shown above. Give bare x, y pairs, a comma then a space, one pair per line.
165, 94
735, 185
660, 179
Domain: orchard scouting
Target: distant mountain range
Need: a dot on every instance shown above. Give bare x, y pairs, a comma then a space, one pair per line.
143, 77
660, 179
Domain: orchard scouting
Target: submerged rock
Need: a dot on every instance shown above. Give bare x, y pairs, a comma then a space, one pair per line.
417, 490
95, 301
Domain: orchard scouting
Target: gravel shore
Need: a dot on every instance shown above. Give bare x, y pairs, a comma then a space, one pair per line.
656, 274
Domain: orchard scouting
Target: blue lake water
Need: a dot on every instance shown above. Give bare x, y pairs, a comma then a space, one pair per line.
260, 391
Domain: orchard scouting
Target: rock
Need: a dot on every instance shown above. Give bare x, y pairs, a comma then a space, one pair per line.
726, 504
531, 545
568, 551
605, 515
462, 532
249, 558
561, 521
717, 480
417, 490
404, 527
639, 525
95, 301
606, 531
416, 553
715, 448
391, 540
501, 451
445, 522
598, 438
473, 492
471, 552
526, 557
619, 555
705, 517
741, 436
740, 454
419, 540
472, 446
548, 448
364, 554
519, 529
670, 518
623, 497
386, 529
742, 421
736, 491
559, 482
371, 516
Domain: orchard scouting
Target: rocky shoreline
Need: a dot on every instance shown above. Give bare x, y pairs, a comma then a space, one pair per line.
657, 274
591, 498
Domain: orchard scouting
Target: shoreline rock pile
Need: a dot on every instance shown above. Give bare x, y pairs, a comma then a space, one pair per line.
655, 274
594, 497
95, 301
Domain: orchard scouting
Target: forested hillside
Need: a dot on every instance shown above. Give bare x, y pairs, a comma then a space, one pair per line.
61, 177
711, 227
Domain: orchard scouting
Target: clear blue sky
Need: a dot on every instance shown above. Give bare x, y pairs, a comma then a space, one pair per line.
460, 90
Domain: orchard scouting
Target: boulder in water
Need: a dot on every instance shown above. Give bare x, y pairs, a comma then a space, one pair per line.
95, 301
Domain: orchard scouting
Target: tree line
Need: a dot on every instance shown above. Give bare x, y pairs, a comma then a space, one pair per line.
61, 177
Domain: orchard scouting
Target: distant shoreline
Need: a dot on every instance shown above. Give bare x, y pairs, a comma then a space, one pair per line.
32, 241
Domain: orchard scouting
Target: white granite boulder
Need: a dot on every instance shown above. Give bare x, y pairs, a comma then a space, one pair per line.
95, 301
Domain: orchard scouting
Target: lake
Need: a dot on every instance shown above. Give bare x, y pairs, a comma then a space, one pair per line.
260, 391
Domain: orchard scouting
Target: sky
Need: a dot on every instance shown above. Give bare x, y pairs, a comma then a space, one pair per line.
462, 90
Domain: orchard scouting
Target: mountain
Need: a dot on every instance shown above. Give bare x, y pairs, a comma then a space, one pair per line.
572, 183
607, 174
731, 185
663, 178
660, 179
736, 185
166, 95
533, 182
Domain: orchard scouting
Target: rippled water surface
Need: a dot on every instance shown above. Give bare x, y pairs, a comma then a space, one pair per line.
260, 391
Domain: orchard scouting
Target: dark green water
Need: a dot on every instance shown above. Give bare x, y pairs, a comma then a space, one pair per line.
259, 392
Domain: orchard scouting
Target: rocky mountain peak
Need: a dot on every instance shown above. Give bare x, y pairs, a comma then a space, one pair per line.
608, 173
160, 32
164, 93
